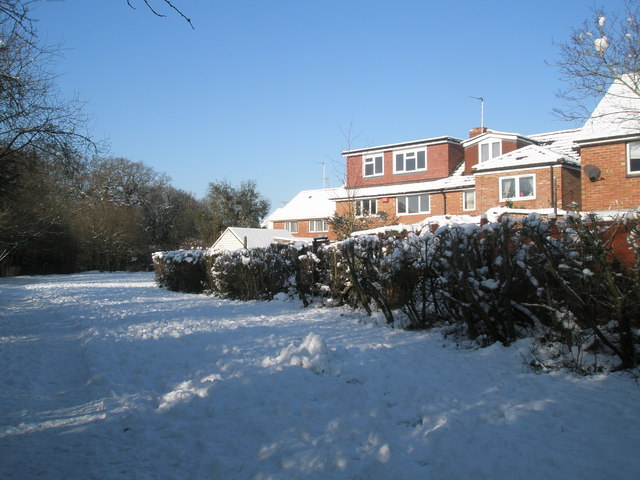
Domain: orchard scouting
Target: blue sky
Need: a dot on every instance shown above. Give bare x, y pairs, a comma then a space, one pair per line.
262, 90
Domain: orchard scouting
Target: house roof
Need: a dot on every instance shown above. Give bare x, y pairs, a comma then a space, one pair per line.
561, 141
393, 146
308, 204
457, 181
256, 237
529, 156
494, 134
617, 113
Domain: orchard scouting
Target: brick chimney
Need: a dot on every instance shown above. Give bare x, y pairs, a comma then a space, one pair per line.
474, 132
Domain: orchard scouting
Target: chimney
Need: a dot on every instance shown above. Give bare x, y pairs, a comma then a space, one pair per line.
474, 132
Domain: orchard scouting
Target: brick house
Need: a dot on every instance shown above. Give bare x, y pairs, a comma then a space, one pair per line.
406, 181
592, 168
448, 176
609, 148
541, 172
307, 214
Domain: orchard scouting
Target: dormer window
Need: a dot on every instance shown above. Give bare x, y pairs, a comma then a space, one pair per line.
490, 149
373, 165
408, 161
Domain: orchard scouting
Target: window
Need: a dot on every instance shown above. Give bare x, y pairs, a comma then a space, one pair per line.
373, 165
316, 226
633, 156
366, 207
469, 200
520, 187
490, 149
412, 204
410, 161
291, 227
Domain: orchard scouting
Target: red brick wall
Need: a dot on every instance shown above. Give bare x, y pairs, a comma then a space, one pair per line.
470, 158
615, 189
303, 230
568, 189
436, 203
442, 159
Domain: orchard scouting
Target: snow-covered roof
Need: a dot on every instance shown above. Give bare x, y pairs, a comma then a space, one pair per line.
308, 204
529, 156
617, 113
456, 181
256, 237
561, 141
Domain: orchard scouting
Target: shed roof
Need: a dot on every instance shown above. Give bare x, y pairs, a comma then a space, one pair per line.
256, 237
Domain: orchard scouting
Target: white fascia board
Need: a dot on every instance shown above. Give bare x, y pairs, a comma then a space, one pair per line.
516, 170
462, 183
587, 142
402, 145
499, 135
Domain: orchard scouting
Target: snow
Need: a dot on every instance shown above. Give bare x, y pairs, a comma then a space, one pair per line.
108, 376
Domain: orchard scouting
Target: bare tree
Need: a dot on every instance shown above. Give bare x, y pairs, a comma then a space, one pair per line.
34, 118
604, 50
151, 6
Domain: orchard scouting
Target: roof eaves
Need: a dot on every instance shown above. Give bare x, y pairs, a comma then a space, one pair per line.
607, 139
502, 135
413, 143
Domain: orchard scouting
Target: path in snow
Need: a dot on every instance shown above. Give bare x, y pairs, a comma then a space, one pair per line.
107, 376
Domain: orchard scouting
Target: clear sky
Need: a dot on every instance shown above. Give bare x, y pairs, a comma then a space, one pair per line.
263, 90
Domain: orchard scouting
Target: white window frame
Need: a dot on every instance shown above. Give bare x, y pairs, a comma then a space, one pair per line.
629, 170
371, 160
490, 143
406, 200
314, 223
414, 152
517, 178
291, 226
465, 204
359, 207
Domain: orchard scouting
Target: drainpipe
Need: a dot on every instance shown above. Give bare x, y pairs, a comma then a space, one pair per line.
554, 192
444, 201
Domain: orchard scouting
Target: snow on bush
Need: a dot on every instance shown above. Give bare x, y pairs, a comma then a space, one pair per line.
493, 282
181, 270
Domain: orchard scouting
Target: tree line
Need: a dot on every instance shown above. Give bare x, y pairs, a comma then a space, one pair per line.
67, 206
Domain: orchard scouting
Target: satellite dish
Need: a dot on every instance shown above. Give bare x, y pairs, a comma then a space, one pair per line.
592, 172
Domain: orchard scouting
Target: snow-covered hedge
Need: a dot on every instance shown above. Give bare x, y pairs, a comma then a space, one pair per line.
181, 270
573, 282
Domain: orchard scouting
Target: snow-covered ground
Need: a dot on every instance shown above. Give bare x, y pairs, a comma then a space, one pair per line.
106, 376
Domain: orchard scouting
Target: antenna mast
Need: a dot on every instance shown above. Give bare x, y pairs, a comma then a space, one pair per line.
324, 174
481, 110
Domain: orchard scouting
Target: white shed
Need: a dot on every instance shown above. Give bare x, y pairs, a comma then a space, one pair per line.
234, 238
